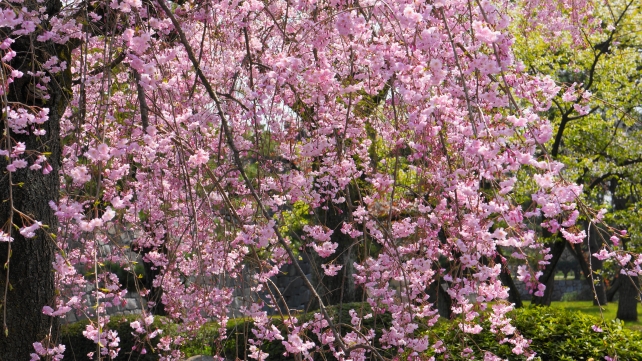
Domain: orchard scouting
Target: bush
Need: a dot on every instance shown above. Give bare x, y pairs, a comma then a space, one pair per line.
556, 334
201, 342
77, 346
240, 330
236, 346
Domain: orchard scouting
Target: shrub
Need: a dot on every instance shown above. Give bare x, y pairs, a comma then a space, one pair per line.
556, 334
240, 330
200, 342
236, 345
78, 346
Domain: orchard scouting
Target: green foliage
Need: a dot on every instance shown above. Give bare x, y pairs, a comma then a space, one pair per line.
607, 312
600, 148
341, 316
77, 346
236, 344
200, 341
294, 220
556, 334
239, 332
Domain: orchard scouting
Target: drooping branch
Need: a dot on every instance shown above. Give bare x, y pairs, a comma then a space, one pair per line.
142, 101
237, 160
112, 64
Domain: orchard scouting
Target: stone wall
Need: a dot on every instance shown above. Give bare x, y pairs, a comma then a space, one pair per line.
288, 284
134, 303
572, 290
297, 296
133, 306
289, 287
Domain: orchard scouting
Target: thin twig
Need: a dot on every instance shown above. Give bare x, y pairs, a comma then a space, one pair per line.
230, 140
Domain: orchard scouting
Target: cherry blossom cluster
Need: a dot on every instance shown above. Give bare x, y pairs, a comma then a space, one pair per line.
143, 337
200, 125
53, 353
107, 340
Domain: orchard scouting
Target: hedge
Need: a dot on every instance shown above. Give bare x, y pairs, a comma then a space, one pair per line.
556, 334
78, 346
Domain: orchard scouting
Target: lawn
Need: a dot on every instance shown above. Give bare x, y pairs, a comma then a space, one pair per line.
608, 312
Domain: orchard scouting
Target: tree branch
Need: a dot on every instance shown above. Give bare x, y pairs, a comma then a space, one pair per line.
237, 159
117, 60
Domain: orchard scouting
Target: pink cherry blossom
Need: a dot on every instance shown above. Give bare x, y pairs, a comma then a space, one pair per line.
232, 138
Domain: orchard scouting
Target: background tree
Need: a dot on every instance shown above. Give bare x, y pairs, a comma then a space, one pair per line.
596, 118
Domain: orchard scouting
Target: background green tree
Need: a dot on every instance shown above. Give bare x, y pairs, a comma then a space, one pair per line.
597, 135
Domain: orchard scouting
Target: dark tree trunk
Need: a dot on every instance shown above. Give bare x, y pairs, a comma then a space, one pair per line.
507, 280
547, 298
629, 289
615, 286
548, 278
557, 248
627, 309
155, 294
31, 277
440, 297
594, 280
340, 288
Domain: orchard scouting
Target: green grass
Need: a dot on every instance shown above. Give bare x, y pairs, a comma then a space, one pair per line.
608, 311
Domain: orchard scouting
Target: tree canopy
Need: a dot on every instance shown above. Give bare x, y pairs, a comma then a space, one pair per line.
387, 141
596, 120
